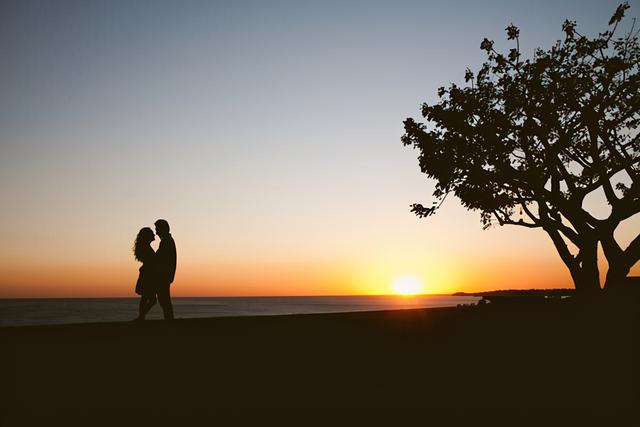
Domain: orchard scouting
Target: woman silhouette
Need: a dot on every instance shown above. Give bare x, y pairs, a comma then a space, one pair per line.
146, 284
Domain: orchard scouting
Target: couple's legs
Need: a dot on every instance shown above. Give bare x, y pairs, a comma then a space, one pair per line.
146, 302
164, 298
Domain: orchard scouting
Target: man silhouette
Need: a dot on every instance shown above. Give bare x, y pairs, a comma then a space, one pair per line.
166, 267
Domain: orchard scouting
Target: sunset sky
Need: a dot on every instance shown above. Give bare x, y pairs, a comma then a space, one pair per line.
266, 132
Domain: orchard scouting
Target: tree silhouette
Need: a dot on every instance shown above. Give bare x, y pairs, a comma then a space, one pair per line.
525, 141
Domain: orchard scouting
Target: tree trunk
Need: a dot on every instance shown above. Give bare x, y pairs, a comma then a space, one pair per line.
584, 267
584, 270
617, 274
586, 283
620, 262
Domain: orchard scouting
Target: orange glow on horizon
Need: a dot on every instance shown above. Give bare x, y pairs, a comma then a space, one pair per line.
282, 279
381, 273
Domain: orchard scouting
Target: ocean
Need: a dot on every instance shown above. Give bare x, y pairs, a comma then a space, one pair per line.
23, 312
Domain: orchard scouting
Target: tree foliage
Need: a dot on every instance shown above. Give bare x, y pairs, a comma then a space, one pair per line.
525, 141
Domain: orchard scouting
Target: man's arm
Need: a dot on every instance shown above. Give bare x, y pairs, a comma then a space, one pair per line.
173, 258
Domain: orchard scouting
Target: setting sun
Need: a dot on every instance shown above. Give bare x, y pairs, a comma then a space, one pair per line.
407, 285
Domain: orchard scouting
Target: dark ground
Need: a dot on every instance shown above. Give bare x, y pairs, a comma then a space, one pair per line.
528, 355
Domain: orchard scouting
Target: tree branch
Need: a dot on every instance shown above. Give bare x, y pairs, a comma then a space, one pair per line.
504, 219
632, 253
562, 249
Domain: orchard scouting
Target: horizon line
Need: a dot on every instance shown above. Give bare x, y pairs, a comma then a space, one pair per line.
469, 293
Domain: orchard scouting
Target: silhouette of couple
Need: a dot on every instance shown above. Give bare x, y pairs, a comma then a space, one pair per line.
157, 271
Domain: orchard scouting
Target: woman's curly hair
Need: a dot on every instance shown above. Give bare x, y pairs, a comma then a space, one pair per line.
144, 237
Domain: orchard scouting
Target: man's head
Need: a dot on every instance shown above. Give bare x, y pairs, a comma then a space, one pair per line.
162, 227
